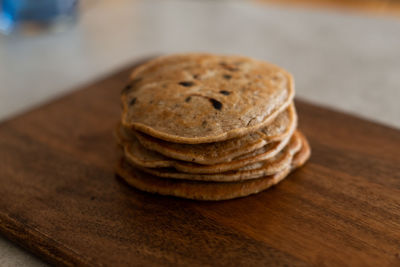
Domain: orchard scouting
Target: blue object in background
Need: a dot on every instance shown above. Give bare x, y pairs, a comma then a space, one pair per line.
43, 13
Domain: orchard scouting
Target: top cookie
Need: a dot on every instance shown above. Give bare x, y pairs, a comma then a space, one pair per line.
203, 98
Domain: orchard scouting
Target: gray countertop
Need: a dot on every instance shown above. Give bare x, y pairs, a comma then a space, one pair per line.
348, 62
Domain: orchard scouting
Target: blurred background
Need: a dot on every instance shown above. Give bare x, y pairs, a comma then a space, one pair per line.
344, 54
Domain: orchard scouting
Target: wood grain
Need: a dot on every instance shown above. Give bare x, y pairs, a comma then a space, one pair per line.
59, 196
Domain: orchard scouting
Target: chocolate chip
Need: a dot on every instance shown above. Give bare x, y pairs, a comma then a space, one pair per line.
224, 92
195, 76
186, 84
188, 99
126, 89
227, 76
132, 102
130, 86
216, 104
204, 123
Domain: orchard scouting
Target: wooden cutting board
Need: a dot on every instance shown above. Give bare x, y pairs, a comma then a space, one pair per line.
60, 198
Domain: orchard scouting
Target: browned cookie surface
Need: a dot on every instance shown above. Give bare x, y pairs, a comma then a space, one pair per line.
257, 169
142, 157
201, 190
202, 98
219, 152
252, 167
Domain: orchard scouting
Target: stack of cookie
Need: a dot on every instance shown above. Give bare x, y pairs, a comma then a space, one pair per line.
208, 127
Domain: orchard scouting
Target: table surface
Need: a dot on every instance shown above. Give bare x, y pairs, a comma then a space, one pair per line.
349, 62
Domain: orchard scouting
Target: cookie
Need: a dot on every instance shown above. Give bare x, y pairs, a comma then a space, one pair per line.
249, 171
139, 156
219, 152
304, 154
204, 98
206, 190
